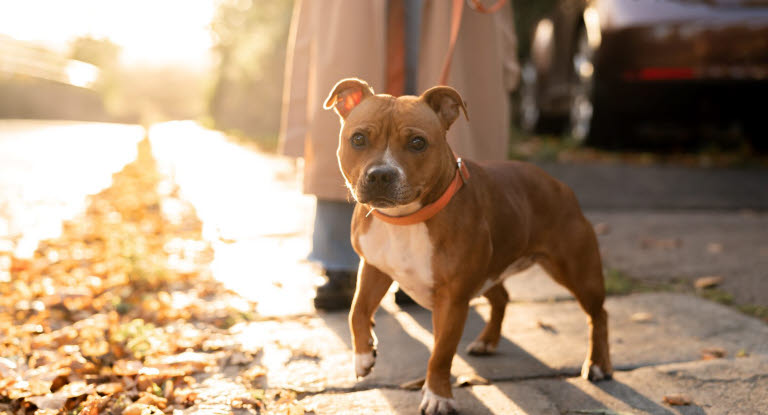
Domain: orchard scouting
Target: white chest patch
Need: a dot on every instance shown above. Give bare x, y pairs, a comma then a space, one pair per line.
404, 252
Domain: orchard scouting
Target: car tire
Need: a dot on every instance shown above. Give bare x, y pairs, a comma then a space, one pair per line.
589, 120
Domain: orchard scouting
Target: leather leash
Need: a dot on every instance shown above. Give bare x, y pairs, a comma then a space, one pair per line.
457, 10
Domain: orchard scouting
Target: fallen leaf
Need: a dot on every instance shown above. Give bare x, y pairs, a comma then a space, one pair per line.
142, 409
641, 317
197, 360
7, 368
711, 353
661, 243
545, 326
413, 385
708, 282
110, 388
239, 358
714, 248
254, 375
677, 400
152, 399
58, 399
127, 367
471, 380
53, 401
602, 228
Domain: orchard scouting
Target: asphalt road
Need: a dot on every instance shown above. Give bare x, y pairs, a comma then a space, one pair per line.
47, 168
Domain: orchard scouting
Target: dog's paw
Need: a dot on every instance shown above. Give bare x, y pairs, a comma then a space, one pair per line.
592, 372
364, 363
434, 404
481, 348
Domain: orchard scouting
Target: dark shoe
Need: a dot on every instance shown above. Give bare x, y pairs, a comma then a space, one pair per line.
401, 298
337, 293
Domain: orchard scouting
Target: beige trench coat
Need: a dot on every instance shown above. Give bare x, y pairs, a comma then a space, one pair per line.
335, 39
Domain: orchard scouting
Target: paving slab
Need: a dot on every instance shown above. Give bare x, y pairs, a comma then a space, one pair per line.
507, 398
668, 246
721, 386
540, 340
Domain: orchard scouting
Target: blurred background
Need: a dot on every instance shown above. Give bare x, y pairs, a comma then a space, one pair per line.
678, 77
218, 62
651, 110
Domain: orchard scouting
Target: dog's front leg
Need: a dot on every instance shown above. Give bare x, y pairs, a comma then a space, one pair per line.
448, 317
372, 284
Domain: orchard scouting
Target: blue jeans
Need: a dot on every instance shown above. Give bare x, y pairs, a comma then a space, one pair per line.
331, 246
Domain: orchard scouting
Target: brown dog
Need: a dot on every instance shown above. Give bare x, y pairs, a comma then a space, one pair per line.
447, 233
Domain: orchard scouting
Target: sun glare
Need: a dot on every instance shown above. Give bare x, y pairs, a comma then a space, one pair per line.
81, 74
148, 31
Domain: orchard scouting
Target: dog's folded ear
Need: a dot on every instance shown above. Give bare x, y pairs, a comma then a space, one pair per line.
346, 95
445, 101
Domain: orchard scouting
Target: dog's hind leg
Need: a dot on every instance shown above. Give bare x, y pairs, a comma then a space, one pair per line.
576, 264
488, 340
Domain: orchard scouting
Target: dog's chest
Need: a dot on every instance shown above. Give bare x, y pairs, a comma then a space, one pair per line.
404, 252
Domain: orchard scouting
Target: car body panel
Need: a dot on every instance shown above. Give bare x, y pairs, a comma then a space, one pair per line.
652, 42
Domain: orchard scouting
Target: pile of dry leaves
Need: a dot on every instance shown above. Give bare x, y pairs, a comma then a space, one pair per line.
120, 316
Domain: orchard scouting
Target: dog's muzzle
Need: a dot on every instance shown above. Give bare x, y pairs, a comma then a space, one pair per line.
381, 186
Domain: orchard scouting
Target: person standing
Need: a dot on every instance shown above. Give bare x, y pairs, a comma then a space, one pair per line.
398, 47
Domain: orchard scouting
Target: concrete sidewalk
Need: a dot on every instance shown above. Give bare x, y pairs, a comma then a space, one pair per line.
658, 340
535, 369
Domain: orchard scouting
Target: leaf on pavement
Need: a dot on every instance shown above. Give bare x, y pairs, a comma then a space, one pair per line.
711, 353
678, 399
708, 282
471, 380
641, 317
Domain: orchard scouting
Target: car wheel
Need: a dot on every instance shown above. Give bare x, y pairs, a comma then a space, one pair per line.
582, 114
528, 114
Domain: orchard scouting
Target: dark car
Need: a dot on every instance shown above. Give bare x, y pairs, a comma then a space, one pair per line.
615, 71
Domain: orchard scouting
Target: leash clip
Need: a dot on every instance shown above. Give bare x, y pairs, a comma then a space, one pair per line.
460, 166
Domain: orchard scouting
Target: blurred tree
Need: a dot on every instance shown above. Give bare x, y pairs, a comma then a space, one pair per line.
101, 52
527, 14
250, 39
105, 54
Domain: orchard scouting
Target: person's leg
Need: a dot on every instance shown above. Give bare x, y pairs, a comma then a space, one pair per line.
332, 249
412, 41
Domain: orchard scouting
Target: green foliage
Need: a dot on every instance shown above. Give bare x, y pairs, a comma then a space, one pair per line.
250, 39
97, 51
618, 283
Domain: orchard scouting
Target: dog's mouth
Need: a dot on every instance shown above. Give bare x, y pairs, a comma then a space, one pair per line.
383, 202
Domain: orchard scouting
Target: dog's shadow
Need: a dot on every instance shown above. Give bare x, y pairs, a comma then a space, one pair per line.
402, 358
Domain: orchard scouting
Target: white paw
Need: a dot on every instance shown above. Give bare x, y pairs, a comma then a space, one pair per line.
480, 348
364, 363
592, 372
433, 404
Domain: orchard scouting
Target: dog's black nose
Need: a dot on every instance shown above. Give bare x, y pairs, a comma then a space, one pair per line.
381, 175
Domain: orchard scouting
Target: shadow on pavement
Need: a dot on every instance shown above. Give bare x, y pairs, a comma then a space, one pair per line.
403, 357
634, 399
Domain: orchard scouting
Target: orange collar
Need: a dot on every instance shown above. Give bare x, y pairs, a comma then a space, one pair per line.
432, 209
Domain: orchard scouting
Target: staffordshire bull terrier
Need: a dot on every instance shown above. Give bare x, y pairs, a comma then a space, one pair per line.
448, 230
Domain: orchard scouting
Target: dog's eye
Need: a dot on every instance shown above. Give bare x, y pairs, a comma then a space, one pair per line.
358, 141
417, 144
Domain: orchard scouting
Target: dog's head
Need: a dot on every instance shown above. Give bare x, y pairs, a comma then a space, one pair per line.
391, 150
